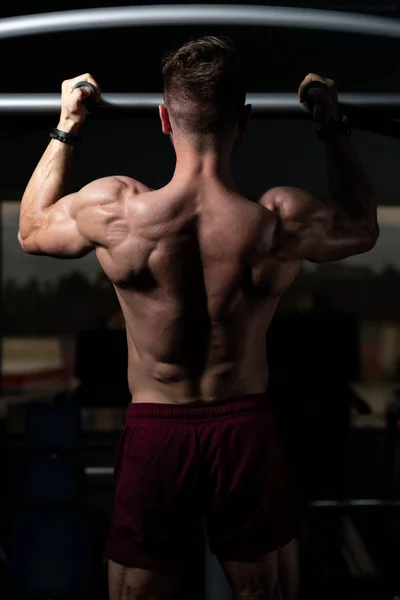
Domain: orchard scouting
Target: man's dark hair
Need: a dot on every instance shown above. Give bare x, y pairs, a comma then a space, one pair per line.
203, 88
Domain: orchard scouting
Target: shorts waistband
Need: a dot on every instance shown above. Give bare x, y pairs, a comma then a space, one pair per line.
198, 410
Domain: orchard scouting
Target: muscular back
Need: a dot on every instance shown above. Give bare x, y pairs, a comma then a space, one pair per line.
198, 286
198, 269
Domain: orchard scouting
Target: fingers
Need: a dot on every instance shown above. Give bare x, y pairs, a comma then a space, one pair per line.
81, 93
322, 102
73, 108
67, 87
308, 79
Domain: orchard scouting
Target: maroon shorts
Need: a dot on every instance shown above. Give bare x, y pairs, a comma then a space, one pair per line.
180, 465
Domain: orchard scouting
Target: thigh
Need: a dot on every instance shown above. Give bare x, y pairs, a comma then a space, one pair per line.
131, 583
288, 570
272, 576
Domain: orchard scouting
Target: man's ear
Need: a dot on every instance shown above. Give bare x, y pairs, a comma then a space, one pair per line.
244, 118
164, 118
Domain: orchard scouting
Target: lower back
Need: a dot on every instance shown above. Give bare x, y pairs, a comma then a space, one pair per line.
184, 359
154, 381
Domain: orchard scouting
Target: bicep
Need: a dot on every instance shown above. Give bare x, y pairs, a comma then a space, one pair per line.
75, 224
314, 228
334, 238
58, 234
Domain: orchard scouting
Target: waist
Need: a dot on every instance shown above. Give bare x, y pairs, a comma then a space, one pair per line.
199, 409
210, 387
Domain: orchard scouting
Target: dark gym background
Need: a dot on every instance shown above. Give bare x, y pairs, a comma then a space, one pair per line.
334, 346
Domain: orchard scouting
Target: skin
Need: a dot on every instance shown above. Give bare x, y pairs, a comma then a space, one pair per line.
199, 271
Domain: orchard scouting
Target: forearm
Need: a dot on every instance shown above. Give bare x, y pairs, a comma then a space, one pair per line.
349, 185
48, 182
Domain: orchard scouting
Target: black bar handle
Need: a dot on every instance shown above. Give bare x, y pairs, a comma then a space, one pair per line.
308, 104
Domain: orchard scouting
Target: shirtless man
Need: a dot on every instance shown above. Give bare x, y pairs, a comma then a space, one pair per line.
199, 271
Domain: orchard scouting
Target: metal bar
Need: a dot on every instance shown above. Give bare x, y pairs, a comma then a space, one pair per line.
215, 582
272, 105
356, 503
99, 471
50, 103
2, 244
193, 14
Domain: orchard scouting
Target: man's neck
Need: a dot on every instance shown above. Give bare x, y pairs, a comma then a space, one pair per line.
207, 165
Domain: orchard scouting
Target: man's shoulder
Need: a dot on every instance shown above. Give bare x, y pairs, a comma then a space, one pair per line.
113, 188
283, 193
133, 185
293, 203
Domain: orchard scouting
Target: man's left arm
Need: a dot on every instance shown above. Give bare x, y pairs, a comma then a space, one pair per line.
343, 224
49, 223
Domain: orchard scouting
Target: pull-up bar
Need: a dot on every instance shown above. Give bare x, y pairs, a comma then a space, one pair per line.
264, 105
363, 106
193, 14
